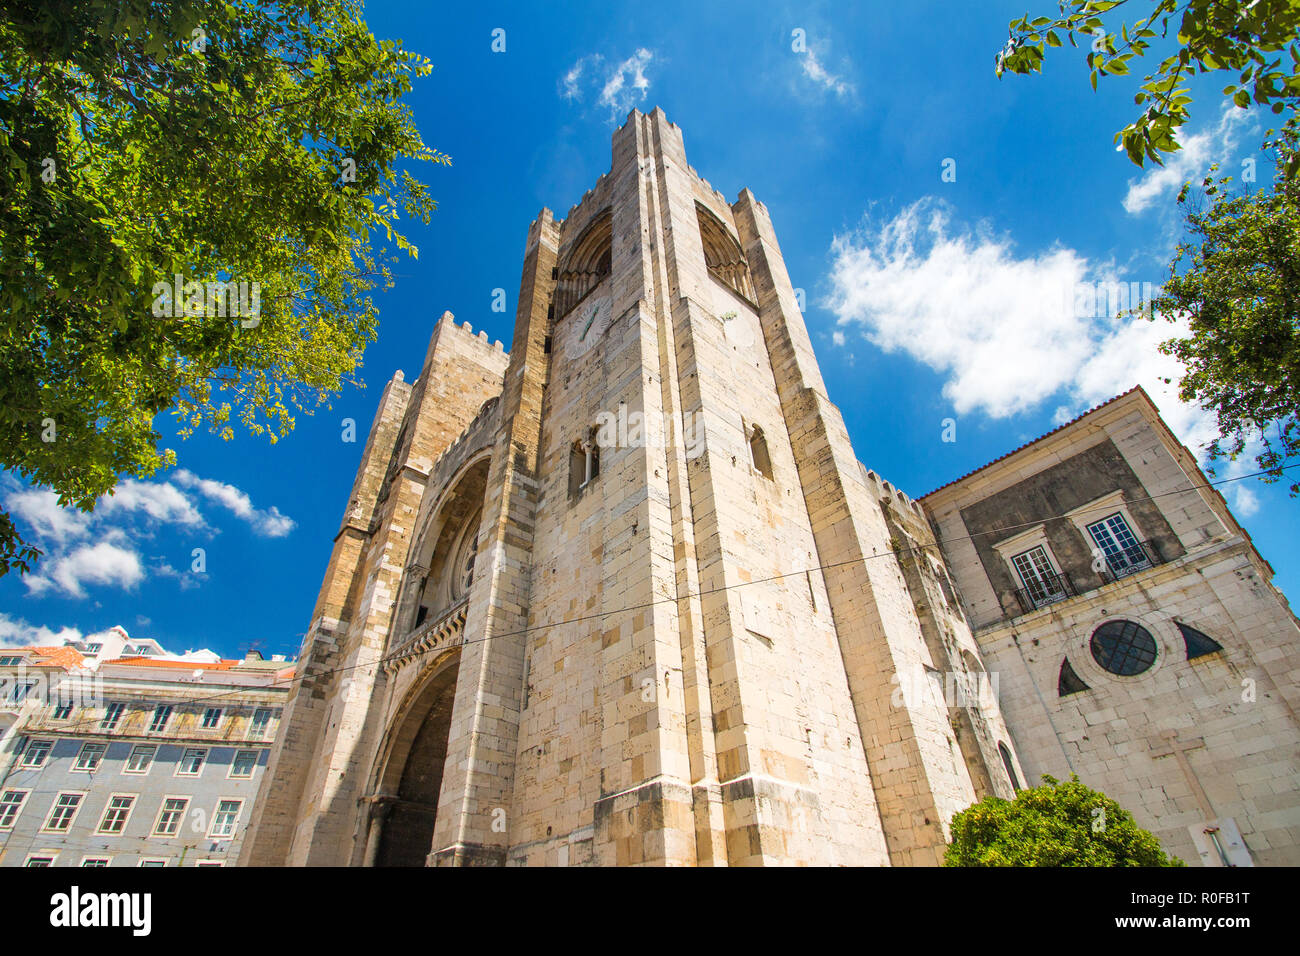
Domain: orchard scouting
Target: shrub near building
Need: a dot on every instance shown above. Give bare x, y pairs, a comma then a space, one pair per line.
1057, 824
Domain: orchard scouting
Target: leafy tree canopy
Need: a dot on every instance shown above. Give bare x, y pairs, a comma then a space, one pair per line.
1256, 41
1238, 282
1056, 824
150, 151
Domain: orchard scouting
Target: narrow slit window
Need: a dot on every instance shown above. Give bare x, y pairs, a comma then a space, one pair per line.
584, 463
1010, 767
758, 452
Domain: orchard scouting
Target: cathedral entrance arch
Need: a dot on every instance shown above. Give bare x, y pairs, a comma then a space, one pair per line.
406, 807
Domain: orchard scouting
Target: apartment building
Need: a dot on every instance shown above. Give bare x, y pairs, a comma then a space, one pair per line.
114, 752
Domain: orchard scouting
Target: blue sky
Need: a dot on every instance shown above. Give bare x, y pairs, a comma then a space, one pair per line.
926, 299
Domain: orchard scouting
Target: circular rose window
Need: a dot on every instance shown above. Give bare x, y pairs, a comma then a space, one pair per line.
1123, 648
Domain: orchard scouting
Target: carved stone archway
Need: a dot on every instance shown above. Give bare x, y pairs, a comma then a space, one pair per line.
438, 577
405, 808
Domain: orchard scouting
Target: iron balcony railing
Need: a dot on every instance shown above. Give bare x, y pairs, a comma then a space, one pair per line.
1052, 588
1047, 588
1137, 557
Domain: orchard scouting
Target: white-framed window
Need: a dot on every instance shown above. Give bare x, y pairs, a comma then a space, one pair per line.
37, 752
116, 813
63, 812
212, 718
1118, 545
260, 724
170, 816
62, 711
96, 860
225, 819
1040, 580
191, 765
39, 859
161, 715
244, 763
11, 804
8, 661
88, 761
141, 758
152, 861
112, 714
209, 862
20, 691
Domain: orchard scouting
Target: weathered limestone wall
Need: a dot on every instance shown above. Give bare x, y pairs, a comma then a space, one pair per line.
650, 665
308, 814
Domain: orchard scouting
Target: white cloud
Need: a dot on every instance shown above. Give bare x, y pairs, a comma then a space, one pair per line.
627, 84
134, 511
838, 338
50, 520
1006, 332
621, 85
996, 325
104, 563
1192, 162
1244, 501
163, 502
824, 78
15, 632
270, 524
570, 83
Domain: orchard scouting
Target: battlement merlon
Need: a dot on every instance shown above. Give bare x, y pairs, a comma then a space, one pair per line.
451, 343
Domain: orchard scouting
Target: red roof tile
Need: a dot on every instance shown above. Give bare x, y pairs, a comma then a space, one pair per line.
63, 656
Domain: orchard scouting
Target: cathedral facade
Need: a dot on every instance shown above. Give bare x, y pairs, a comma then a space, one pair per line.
625, 594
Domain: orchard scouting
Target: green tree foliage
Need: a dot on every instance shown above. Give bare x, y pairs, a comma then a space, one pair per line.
1238, 283
1056, 824
1255, 41
215, 141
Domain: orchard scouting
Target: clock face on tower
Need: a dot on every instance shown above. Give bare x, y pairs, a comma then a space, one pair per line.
739, 328
587, 324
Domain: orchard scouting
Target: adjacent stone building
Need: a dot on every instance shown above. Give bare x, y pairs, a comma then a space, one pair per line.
625, 594
1136, 635
116, 753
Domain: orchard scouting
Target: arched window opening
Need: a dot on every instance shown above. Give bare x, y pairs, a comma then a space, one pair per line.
588, 262
723, 256
1010, 767
584, 463
441, 568
462, 567
758, 455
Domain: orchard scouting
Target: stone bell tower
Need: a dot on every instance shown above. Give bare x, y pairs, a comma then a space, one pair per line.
626, 595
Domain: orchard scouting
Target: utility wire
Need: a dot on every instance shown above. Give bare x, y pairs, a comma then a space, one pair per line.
73, 729
702, 593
